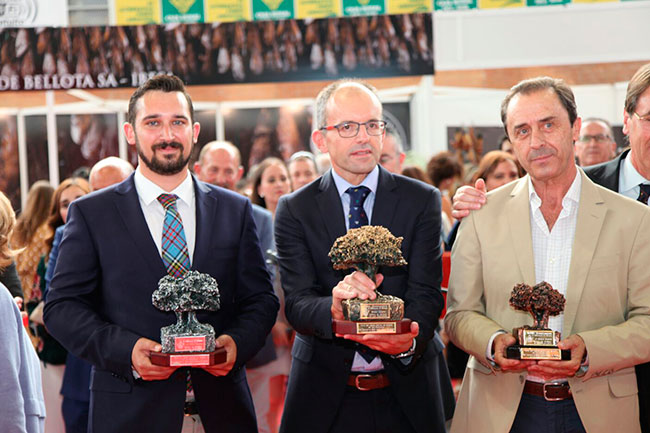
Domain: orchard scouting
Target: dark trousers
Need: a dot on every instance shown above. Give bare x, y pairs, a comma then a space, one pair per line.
374, 411
536, 415
75, 415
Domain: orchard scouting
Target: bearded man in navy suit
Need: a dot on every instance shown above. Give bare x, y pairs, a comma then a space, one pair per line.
110, 262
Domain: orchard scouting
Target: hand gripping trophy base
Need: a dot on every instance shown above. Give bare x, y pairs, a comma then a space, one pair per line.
187, 342
537, 342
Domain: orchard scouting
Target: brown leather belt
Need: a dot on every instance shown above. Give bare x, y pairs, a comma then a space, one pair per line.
368, 382
550, 391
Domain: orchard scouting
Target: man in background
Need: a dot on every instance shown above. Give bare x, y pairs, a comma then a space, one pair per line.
302, 169
392, 154
596, 142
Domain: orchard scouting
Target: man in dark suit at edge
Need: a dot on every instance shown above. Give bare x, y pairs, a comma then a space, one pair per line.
110, 262
335, 385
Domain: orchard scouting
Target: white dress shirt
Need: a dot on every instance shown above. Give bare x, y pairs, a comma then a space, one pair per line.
629, 179
154, 212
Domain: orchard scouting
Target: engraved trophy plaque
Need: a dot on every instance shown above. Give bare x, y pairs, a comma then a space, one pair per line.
187, 342
366, 249
538, 341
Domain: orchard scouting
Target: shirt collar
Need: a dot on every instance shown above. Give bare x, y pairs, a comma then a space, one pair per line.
570, 200
149, 191
371, 181
630, 177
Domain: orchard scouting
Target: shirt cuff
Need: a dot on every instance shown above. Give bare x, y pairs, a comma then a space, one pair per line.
488, 350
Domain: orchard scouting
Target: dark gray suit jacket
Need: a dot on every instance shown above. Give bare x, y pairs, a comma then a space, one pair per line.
307, 223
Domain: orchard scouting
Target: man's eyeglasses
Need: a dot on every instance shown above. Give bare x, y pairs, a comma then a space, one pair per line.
351, 129
645, 117
598, 138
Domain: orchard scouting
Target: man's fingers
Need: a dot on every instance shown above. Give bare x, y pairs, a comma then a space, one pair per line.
480, 185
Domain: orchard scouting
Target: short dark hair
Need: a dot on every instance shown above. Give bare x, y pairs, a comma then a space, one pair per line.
443, 166
526, 87
638, 84
163, 83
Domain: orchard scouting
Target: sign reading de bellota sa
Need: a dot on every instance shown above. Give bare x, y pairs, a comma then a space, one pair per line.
33, 13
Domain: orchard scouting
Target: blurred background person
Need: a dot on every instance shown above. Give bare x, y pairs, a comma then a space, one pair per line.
52, 354
415, 172
302, 169
505, 145
323, 163
445, 171
219, 163
596, 142
392, 153
270, 181
23, 407
31, 234
497, 168
75, 386
109, 171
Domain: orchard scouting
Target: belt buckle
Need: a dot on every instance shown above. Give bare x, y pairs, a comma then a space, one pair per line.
357, 383
546, 397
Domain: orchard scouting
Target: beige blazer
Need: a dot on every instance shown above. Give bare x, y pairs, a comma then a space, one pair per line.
607, 304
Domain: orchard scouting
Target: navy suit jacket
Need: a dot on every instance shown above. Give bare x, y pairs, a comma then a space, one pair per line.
99, 305
607, 174
307, 223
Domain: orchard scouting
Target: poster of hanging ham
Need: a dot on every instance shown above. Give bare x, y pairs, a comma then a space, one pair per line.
49, 58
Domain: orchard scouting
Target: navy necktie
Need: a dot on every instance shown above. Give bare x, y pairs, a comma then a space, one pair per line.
644, 193
357, 216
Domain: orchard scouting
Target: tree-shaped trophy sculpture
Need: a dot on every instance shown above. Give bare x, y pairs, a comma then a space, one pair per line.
365, 249
187, 342
538, 341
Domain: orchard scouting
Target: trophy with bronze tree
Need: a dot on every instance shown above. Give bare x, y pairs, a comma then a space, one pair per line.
537, 342
365, 249
187, 342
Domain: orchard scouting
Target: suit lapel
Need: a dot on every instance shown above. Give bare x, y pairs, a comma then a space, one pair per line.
518, 213
206, 205
128, 206
330, 207
591, 215
386, 200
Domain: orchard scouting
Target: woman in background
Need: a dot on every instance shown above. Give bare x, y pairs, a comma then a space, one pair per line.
52, 354
23, 407
270, 181
31, 235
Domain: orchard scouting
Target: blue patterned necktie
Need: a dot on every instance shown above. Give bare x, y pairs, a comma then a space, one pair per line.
644, 193
357, 216
175, 255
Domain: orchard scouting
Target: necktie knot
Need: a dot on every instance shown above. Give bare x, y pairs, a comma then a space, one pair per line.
357, 216
168, 200
644, 193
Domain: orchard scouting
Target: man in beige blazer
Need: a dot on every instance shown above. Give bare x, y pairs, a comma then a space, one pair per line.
605, 280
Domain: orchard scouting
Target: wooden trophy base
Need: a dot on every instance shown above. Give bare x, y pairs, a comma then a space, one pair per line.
189, 359
372, 327
537, 353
